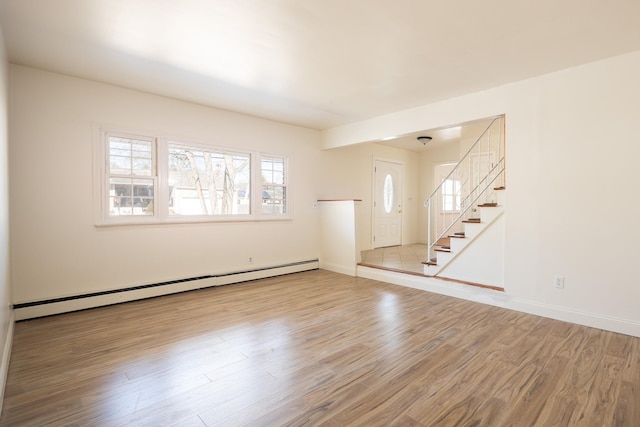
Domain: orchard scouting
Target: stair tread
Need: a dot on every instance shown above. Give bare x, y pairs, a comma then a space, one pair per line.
443, 246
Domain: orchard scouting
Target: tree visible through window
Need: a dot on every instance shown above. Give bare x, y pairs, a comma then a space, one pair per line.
146, 179
207, 182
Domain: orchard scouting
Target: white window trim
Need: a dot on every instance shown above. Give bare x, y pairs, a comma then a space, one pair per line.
286, 185
161, 189
454, 195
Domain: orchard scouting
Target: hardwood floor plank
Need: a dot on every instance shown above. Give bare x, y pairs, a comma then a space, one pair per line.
631, 370
312, 408
620, 345
588, 361
627, 409
603, 394
405, 421
385, 387
477, 410
191, 422
562, 407
536, 396
171, 411
573, 341
317, 348
444, 389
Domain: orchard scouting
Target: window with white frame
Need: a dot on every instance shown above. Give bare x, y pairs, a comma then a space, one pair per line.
131, 176
149, 180
274, 185
451, 197
208, 182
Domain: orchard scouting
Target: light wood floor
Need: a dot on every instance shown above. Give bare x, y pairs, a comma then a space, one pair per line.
407, 258
317, 348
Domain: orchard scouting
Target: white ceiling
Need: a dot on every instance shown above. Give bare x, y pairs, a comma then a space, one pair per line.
316, 63
439, 137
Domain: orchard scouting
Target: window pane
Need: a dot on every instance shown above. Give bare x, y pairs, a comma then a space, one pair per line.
120, 165
141, 166
141, 149
274, 190
388, 195
451, 197
130, 196
130, 156
273, 199
273, 170
208, 182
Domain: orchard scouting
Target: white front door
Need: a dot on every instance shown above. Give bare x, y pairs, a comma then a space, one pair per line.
387, 204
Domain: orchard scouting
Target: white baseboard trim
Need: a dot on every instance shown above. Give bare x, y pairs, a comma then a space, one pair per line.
500, 299
6, 357
349, 270
608, 323
63, 305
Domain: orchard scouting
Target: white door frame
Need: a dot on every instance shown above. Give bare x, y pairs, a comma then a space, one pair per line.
373, 196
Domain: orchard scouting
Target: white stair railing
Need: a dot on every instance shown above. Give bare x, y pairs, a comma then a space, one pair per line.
470, 184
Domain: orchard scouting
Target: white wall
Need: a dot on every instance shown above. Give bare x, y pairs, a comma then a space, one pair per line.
572, 149
480, 261
348, 174
339, 245
56, 249
6, 316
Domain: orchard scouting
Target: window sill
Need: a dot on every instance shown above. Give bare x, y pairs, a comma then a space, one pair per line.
226, 220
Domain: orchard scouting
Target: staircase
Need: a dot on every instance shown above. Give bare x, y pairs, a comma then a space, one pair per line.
469, 201
450, 248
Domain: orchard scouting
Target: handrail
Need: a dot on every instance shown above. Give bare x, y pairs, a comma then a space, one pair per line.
469, 205
468, 197
461, 160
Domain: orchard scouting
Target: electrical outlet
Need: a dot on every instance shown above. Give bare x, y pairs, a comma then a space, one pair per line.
250, 260
559, 282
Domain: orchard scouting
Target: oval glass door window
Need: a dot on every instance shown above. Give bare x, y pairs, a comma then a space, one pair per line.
388, 193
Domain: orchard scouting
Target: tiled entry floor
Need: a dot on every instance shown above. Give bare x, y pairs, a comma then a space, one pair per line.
407, 258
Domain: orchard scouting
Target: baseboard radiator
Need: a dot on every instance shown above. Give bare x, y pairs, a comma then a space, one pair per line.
33, 309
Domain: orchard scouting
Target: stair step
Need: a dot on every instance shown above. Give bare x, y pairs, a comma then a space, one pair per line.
472, 220
443, 241
502, 187
457, 236
432, 261
488, 205
442, 249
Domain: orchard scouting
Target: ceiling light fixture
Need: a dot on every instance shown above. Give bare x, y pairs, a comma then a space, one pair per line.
424, 139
